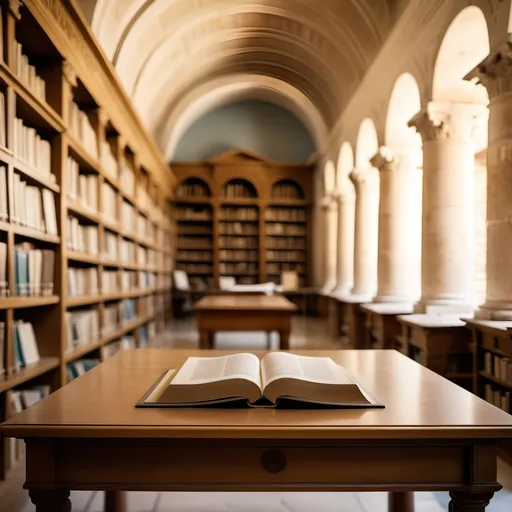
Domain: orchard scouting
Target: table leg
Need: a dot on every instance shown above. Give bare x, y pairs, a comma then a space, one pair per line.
211, 340
469, 501
401, 502
269, 340
284, 340
204, 339
51, 500
115, 501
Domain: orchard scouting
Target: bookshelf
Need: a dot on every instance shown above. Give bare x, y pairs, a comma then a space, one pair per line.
86, 226
244, 216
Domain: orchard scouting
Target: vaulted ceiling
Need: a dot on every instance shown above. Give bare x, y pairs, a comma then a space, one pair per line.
178, 58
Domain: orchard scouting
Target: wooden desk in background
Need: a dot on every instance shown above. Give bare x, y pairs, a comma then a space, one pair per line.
244, 312
431, 436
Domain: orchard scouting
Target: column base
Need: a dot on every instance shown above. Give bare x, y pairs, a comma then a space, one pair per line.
444, 307
394, 299
328, 288
495, 310
341, 291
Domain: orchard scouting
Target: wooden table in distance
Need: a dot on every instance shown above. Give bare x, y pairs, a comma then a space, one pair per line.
431, 436
243, 312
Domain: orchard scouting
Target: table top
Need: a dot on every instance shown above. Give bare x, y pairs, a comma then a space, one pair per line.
419, 405
242, 302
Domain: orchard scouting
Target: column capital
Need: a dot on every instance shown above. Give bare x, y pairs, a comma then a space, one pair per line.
69, 73
14, 8
448, 120
383, 160
359, 176
328, 203
495, 71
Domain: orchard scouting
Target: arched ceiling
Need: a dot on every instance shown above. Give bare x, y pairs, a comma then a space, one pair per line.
164, 50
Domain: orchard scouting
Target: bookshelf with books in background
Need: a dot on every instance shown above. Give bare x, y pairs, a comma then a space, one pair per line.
260, 213
86, 234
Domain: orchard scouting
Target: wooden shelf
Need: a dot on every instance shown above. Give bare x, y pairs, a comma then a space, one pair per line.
83, 212
73, 302
28, 172
46, 364
34, 234
79, 153
495, 380
83, 257
27, 302
82, 350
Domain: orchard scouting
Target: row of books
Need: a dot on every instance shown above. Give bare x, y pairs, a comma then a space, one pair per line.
82, 281
277, 268
127, 177
195, 243
127, 342
189, 189
80, 367
27, 73
82, 129
148, 280
81, 188
82, 237
195, 268
108, 160
34, 207
194, 213
238, 228
498, 397
238, 255
32, 149
236, 213
4, 205
26, 350
194, 230
241, 267
285, 243
285, 214
195, 255
128, 280
238, 190
287, 191
4, 285
82, 328
34, 270
128, 310
109, 202
297, 256
231, 242
499, 367
276, 229
109, 281
110, 246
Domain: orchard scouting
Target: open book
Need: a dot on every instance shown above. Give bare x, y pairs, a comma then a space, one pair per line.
280, 378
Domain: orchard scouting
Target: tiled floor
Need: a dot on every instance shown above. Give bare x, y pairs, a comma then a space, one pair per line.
306, 333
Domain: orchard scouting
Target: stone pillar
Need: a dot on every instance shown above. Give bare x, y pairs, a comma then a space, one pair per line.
399, 254
448, 207
495, 72
330, 220
345, 254
366, 182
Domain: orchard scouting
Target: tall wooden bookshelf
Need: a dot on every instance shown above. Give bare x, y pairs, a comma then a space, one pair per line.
245, 216
86, 226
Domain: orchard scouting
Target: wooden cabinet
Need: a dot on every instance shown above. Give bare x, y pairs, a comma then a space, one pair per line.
382, 329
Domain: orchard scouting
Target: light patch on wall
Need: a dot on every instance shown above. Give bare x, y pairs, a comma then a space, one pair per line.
261, 127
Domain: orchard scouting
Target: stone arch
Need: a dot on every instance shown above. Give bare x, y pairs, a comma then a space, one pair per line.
465, 44
367, 144
344, 168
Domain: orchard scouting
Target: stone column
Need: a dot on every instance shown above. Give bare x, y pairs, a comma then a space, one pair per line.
495, 72
330, 218
448, 207
366, 182
345, 254
399, 254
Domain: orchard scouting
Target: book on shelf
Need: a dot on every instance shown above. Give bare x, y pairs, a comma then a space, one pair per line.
109, 282
3, 132
82, 129
80, 367
110, 246
498, 397
4, 285
26, 351
29, 147
128, 280
34, 270
109, 203
82, 237
82, 328
81, 187
279, 379
4, 205
127, 178
111, 320
82, 281
238, 214
3, 366
128, 310
127, 342
108, 160
27, 73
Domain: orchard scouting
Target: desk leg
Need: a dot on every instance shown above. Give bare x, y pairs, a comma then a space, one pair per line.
115, 501
469, 501
284, 340
51, 500
205, 339
400, 502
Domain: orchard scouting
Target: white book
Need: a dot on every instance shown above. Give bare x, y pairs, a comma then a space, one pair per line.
49, 212
2, 348
28, 342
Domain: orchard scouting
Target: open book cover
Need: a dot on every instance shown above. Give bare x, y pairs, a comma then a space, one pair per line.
280, 379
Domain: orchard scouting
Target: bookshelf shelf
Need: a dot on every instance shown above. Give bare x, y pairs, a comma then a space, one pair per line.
45, 365
28, 302
60, 227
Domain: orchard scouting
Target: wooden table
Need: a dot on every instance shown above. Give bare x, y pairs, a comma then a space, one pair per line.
243, 312
432, 435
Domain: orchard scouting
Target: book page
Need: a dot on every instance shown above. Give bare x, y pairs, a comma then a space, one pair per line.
323, 370
203, 370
